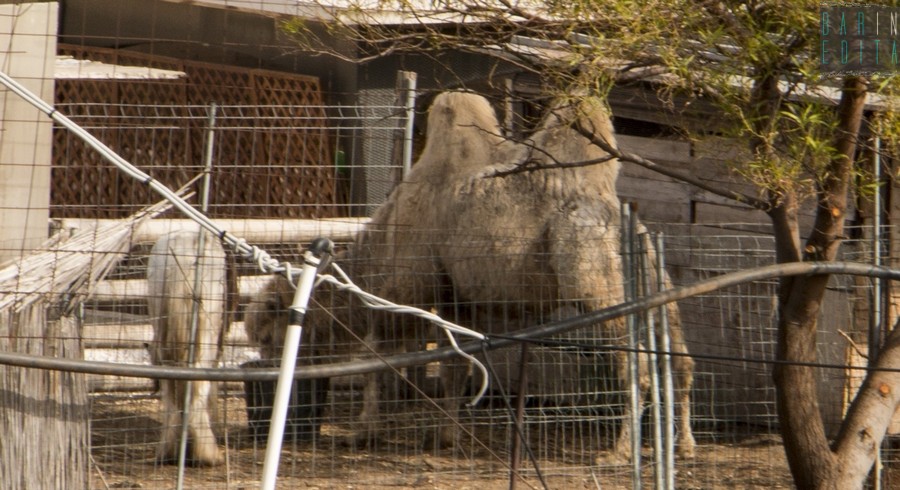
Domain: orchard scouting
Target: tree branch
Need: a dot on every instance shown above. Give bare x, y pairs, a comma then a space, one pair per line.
869, 416
532, 165
751, 201
832, 195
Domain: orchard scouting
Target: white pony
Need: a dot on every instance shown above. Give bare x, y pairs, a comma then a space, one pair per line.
186, 283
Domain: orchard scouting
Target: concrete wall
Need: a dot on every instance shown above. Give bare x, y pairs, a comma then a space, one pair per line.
27, 53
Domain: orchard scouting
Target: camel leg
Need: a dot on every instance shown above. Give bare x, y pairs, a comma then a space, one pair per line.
624, 442
416, 375
368, 417
368, 420
684, 380
453, 383
683, 372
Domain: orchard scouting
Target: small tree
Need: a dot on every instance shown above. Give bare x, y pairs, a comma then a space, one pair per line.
749, 59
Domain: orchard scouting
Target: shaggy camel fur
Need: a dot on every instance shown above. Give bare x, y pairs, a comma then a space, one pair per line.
526, 244
377, 263
507, 250
173, 272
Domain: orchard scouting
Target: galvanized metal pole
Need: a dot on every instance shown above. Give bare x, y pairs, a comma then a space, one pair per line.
665, 345
509, 125
875, 324
195, 308
409, 87
311, 260
208, 158
875, 320
658, 466
515, 455
630, 287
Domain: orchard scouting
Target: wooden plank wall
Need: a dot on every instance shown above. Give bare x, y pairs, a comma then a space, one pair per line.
708, 235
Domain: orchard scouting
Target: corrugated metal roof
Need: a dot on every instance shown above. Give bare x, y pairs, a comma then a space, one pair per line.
372, 12
418, 12
264, 7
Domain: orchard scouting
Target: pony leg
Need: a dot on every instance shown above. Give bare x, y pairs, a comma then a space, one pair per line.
203, 441
171, 421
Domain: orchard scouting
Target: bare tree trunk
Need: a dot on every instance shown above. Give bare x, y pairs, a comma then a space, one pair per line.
868, 418
44, 415
802, 429
813, 464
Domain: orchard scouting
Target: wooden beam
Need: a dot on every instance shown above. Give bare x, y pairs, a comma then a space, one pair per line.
253, 230
136, 289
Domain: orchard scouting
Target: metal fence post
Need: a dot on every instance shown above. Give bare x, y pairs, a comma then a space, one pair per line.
312, 258
668, 384
658, 467
629, 274
409, 102
195, 308
875, 317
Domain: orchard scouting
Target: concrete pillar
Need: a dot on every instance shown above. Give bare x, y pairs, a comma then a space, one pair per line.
27, 53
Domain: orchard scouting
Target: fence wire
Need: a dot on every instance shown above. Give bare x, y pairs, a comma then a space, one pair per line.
733, 401
559, 428
574, 406
270, 161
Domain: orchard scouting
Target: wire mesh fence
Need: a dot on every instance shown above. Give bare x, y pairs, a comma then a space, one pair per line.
570, 417
570, 400
280, 153
267, 161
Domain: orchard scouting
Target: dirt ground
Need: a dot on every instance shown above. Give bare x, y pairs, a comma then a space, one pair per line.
125, 428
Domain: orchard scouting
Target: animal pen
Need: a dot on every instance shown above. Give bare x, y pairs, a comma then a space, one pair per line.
551, 421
